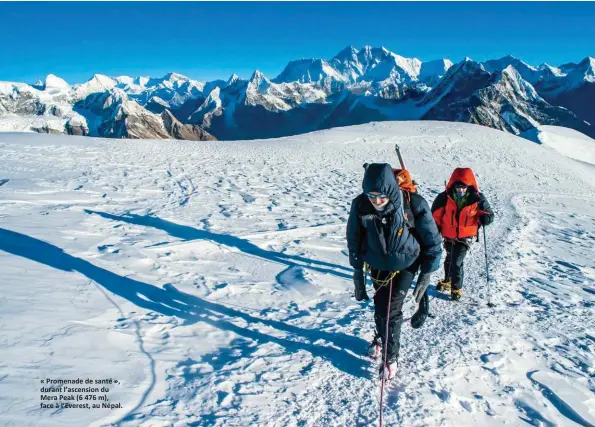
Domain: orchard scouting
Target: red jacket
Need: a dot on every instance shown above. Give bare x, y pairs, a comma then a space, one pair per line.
459, 225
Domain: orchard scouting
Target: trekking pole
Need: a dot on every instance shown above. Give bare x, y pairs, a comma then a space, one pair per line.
485, 250
390, 291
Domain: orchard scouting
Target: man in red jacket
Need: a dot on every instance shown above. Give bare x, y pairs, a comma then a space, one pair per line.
458, 212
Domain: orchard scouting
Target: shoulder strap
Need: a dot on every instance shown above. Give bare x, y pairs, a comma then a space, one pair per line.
409, 218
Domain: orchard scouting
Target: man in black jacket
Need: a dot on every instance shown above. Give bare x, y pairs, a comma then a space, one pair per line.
378, 235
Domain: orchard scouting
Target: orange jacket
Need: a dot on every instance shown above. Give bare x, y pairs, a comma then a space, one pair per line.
463, 224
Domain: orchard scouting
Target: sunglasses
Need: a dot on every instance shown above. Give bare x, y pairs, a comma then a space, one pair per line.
376, 196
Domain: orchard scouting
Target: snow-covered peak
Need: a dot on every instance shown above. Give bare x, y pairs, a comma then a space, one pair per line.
141, 81
511, 71
551, 70
212, 103
258, 83
528, 72
124, 80
587, 68
132, 85
8, 88
169, 82
137, 81
308, 71
175, 77
347, 54
432, 71
463, 78
467, 66
373, 64
411, 66
511, 85
102, 80
578, 75
511, 60
369, 54
55, 82
513, 74
98, 83
258, 77
257, 74
232, 79
121, 103
214, 97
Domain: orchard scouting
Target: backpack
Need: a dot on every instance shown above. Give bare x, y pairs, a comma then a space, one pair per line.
407, 186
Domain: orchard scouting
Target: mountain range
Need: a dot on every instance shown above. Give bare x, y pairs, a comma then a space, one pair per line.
354, 87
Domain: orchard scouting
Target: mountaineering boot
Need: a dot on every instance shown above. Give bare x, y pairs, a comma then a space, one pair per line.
443, 286
456, 294
389, 370
375, 348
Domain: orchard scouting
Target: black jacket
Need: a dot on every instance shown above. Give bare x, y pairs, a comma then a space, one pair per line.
383, 239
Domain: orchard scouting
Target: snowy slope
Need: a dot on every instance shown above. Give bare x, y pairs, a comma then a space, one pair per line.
211, 280
568, 142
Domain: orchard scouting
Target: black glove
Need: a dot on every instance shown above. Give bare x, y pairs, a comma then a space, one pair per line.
484, 219
422, 313
355, 261
420, 287
360, 285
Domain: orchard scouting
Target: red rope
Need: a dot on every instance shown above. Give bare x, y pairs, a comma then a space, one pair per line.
384, 367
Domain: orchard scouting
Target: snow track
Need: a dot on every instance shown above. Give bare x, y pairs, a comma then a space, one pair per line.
212, 280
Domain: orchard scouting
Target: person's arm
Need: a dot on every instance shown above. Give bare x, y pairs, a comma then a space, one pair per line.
438, 209
354, 235
486, 214
430, 240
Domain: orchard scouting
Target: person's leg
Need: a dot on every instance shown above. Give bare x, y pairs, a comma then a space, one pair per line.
458, 258
448, 245
380, 303
401, 284
444, 284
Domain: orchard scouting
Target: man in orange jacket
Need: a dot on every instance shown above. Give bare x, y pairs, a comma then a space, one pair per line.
458, 212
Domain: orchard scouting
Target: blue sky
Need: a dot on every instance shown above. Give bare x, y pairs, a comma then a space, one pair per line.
206, 41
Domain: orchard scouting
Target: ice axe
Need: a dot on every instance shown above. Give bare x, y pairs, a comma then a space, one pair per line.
401, 161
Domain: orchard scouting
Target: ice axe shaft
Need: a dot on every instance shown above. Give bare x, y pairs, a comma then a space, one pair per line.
401, 161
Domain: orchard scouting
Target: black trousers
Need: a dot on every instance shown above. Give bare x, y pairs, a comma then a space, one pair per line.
453, 265
400, 284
